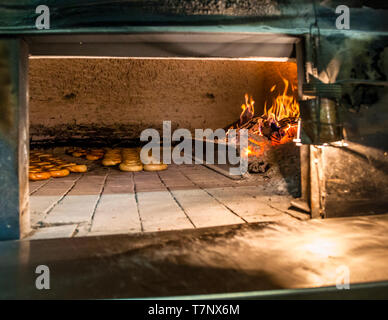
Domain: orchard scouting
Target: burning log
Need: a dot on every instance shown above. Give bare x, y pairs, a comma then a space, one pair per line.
278, 125
274, 131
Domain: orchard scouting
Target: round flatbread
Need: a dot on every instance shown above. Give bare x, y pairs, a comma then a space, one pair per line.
58, 173
109, 162
78, 168
36, 176
130, 167
155, 167
92, 157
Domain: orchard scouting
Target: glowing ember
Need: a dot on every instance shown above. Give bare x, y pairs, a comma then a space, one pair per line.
255, 148
278, 123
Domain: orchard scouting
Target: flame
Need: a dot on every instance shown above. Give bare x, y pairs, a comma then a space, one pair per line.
248, 109
285, 134
283, 106
247, 151
255, 148
252, 151
278, 122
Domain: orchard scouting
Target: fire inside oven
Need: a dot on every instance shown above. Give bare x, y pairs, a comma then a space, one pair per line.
86, 118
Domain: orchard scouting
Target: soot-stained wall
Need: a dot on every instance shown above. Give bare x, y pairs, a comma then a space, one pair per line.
355, 176
118, 98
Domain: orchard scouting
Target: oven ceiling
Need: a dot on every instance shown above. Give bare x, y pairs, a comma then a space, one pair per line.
153, 45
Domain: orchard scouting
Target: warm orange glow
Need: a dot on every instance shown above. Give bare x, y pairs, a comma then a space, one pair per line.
256, 148
283, 106
277, 125
247, 151
322, 247
288, 134
283, 113
248, 109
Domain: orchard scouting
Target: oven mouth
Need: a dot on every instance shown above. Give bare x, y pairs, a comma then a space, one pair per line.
74, 110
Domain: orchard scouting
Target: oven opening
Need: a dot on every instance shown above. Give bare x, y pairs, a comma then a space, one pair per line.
193, 150
86, 119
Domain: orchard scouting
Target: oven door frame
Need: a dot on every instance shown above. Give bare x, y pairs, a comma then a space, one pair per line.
14, 217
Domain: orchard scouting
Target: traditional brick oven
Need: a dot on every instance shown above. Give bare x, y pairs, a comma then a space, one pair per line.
107, 101
193, 58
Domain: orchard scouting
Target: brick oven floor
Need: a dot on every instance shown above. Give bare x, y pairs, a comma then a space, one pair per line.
108, 201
